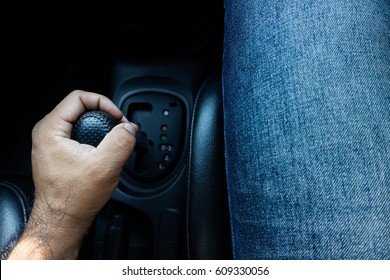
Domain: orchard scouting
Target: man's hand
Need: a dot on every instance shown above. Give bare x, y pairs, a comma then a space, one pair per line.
72, 181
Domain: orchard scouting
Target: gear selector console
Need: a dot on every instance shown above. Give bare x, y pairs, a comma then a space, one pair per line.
161, 109
151, 192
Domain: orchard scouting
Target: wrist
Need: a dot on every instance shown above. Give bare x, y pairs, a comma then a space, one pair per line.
56, 238
31, 248
53, 234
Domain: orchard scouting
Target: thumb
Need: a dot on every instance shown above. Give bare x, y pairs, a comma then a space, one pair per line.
117, 146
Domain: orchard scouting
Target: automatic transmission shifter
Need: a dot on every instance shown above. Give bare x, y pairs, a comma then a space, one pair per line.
92, 126
158, 142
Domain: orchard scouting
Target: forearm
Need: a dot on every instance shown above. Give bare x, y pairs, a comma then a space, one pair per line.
49, 235
31, 248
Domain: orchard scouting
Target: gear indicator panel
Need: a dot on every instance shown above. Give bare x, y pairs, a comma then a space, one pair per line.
161, 119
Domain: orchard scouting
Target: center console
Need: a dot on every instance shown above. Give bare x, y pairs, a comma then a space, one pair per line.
159, 66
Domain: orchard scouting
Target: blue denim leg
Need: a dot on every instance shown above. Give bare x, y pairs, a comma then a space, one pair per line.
306, 87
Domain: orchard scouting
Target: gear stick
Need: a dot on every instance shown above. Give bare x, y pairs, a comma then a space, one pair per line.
92, 126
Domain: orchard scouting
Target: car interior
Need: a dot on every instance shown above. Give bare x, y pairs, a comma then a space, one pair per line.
160, 63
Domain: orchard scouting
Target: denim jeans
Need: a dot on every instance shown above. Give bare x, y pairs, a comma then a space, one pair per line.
306, 88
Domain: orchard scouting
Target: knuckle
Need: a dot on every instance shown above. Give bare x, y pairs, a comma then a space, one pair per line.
77, 92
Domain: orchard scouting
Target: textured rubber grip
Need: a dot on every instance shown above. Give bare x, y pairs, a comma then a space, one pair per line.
92, 126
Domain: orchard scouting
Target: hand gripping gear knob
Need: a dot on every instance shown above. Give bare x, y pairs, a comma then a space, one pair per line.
92, 126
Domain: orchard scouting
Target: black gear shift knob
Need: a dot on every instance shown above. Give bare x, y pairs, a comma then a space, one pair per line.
92, 126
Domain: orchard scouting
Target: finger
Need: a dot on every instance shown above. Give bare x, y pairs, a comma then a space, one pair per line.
118, 145
78, 102
62, 117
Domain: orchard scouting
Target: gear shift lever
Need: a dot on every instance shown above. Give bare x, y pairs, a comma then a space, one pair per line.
92, 126
158, 142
